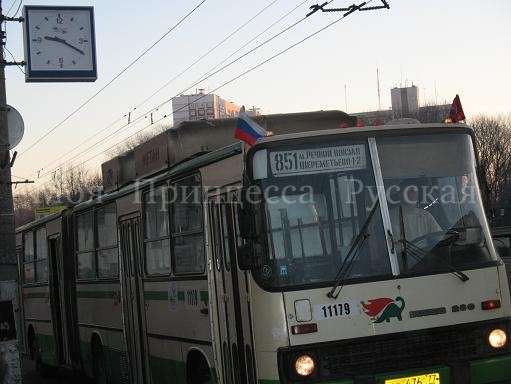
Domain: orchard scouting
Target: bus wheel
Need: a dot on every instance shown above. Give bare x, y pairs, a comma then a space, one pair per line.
42, 369
98, 364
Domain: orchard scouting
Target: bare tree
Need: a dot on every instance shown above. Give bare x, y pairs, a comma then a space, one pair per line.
68, 186
493, 141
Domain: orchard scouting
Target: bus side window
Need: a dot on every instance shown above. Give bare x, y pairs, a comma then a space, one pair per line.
187, 236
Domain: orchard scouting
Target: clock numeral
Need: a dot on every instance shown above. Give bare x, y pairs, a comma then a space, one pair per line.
59, 19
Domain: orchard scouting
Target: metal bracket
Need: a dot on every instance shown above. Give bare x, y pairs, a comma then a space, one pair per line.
352, 8
23, 63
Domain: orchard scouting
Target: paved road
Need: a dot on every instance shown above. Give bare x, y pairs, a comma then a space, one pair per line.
62, 376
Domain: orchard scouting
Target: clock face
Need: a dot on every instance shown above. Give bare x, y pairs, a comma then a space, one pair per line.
59, 44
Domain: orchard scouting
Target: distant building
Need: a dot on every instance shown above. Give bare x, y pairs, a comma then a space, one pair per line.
202, 106
405, 103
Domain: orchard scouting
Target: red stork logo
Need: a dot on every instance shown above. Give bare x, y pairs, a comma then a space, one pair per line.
383, 309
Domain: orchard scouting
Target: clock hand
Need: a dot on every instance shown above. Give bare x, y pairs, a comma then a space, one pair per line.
59, 40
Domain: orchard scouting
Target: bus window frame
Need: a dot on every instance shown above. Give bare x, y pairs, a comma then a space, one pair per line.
95, 246
195, 232
99, 248
145, 239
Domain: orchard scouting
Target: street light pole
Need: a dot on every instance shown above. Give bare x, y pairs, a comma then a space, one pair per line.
8, 269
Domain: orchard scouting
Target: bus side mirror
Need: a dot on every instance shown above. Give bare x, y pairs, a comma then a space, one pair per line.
249, 214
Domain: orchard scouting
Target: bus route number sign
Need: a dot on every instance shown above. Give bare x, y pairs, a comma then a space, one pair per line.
318, 160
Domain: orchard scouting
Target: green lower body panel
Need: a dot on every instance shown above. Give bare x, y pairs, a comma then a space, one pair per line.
116, 363
48, 349
162, 370
491, 371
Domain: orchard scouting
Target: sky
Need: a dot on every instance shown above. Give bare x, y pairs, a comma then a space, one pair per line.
443, 47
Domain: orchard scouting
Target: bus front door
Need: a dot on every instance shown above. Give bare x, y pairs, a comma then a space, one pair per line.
133, 300
233, 313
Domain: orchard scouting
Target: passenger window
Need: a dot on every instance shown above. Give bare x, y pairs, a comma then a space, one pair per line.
108, 256
85, 260
28, 257
156, 233
41, 256
187, 236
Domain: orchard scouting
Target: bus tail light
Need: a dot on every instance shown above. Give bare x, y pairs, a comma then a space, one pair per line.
304, 328
490, 304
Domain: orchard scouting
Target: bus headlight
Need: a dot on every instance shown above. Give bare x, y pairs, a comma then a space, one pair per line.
304, 365
497, 338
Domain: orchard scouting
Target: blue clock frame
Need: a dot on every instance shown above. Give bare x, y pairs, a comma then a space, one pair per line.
58, 75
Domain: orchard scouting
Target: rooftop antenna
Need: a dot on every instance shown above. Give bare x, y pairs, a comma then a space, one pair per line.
378, 86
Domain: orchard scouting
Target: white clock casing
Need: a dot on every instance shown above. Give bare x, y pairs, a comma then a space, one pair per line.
59, 43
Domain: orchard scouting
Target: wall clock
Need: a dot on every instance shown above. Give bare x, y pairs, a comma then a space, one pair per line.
59, 43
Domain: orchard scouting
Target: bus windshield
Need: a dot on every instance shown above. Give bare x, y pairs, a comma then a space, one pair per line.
319, 197
434, 203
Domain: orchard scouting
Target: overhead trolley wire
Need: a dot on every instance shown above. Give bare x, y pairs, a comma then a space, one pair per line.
353, 8
207, 53
112, 80
167, 101
190, 66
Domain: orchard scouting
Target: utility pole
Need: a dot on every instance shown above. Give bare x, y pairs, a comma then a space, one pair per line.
8, 263
10, 332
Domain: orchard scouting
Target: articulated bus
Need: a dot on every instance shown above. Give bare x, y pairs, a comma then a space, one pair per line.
325, 253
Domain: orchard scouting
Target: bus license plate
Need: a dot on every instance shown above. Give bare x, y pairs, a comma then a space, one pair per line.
430, 378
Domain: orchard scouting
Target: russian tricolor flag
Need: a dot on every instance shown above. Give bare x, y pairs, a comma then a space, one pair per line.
247, 129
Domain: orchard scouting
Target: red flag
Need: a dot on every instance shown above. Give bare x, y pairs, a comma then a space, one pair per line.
456, 113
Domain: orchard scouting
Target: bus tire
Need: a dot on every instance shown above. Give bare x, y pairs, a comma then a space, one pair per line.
197, 369
42, 369
98, 363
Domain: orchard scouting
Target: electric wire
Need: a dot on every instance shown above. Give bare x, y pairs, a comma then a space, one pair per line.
74, 112
14, 59
17, 10
226, 83
190, 66
12, 6
167, 101
208, 52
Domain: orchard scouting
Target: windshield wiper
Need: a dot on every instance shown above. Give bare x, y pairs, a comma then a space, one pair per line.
418, 254
347, 264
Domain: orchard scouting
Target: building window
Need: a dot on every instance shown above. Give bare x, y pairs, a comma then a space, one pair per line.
156, 232
187, 224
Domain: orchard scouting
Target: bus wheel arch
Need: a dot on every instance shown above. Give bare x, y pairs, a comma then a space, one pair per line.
197, 368
98, 360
